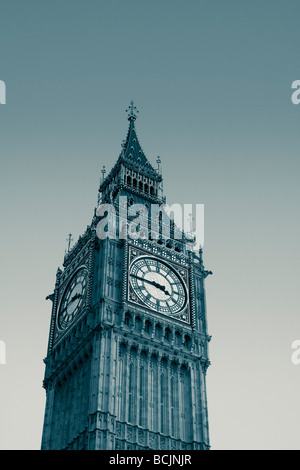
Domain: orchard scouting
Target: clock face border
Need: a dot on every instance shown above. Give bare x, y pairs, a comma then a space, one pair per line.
182, 273
59, 329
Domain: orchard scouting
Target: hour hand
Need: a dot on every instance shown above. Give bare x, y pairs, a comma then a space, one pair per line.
159, 286
75, 297
153, 283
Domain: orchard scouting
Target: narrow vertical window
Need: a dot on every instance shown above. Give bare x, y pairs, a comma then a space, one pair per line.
132, 389
152, 398
155, 396
120, 382
162, 410
172, 407
187, 406
130, 394
141, 398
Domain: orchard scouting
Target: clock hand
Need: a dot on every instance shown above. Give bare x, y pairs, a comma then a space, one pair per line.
157, 285
75, 297
153, 283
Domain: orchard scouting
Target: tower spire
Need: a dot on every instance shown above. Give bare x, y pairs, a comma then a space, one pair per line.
132, 169
131, 147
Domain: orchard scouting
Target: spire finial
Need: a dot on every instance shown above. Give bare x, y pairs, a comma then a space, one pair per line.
103, 171
131, 110
158, 161
201, 257
69, 240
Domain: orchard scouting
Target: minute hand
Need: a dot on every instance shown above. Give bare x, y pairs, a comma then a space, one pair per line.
153, 283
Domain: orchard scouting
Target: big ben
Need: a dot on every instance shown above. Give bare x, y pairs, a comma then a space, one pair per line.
128, 343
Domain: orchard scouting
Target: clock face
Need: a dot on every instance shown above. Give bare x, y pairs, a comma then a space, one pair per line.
158, 285
73, 299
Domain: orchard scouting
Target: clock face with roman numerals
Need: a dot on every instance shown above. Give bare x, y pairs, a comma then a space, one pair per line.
73, 300
158, 285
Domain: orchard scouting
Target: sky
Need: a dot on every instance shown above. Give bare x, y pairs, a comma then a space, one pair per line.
212, 82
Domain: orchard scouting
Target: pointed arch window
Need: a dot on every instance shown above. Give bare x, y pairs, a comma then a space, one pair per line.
128, 319
148, 327
168, 335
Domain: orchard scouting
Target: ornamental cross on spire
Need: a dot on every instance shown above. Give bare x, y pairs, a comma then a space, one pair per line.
131, 110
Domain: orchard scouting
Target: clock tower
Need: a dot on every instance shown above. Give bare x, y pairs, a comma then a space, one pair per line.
128, 343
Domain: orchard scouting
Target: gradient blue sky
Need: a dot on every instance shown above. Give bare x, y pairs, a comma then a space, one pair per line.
212, 80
